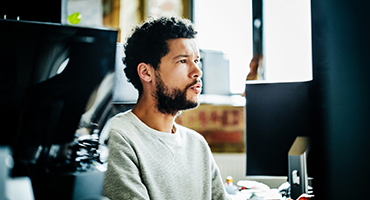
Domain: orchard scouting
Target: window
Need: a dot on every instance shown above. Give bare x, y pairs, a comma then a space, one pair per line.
287, 40
227, 26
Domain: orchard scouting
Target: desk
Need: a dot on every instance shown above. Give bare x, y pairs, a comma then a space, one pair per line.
272, 194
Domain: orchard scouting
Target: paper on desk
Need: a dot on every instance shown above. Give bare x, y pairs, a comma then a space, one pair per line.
253, 185
272, 194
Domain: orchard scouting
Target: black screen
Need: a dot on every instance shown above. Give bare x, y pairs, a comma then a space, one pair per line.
40, 105
276, 113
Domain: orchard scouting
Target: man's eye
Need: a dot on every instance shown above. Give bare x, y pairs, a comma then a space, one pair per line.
182, 61
196, 61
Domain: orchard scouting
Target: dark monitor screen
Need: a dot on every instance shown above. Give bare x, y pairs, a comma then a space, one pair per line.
276, 113
49, 73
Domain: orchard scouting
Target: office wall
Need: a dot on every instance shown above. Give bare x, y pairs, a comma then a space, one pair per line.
223, 126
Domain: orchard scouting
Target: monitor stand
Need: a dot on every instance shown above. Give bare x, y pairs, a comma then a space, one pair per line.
297, 162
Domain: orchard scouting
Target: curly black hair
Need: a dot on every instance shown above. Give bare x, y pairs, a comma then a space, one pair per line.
148, 44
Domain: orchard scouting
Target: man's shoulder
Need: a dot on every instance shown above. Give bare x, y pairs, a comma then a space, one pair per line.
121, 117
186, 129
191, 133
122, 122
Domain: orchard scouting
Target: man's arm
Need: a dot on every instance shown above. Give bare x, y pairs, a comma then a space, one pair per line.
218, 188
122, 179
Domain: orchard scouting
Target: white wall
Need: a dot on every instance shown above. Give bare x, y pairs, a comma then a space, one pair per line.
234, 164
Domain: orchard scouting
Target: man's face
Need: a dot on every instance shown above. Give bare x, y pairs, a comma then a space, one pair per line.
178, 83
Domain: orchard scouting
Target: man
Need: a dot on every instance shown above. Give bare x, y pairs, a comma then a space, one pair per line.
150, 156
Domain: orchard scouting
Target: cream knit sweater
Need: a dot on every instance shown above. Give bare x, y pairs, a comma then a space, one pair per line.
147, 164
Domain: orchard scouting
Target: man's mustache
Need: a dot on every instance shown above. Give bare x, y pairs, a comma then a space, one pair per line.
196, 81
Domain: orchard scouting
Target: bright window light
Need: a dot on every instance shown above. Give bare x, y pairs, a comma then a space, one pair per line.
227, 26
287, 40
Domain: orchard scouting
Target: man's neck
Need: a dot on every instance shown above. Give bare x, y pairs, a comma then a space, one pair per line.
149, 115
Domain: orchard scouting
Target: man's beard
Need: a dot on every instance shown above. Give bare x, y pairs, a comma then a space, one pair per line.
172, 101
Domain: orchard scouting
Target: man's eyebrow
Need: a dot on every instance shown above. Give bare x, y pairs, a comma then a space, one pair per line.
180, 56
183, 56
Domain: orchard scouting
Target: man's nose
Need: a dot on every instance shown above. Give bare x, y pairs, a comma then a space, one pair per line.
197, 71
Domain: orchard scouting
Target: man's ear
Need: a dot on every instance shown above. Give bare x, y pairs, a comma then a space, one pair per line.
145, 72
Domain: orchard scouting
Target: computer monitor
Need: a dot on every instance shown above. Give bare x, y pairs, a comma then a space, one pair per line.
51, 76
276, 113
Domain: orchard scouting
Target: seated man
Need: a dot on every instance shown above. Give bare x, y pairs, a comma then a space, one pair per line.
150, 156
